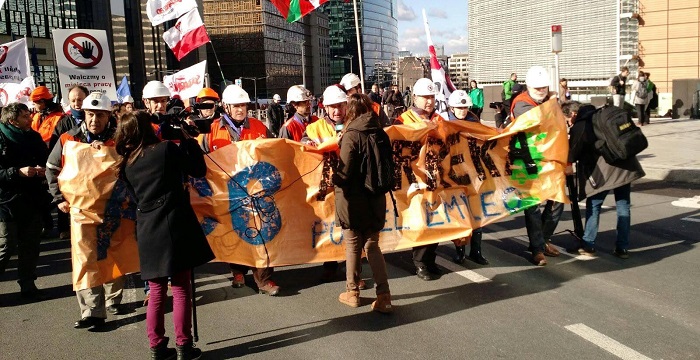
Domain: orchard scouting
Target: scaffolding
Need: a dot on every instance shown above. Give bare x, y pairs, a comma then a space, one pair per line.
629, 34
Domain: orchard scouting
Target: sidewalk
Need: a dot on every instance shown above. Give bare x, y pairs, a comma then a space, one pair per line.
674, 150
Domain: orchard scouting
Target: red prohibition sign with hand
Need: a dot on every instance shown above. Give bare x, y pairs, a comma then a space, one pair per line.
3, 53
82, 50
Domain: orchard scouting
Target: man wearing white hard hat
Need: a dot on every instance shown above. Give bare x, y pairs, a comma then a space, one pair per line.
423, 110
275, 115
460, 103
155, 97
540, 225
352, 85
97, 131
335, 103
300, 98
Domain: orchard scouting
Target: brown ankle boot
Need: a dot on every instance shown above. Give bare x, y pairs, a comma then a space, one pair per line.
350, 298
383, 304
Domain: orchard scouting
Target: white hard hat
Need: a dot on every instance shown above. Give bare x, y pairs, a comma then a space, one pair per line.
537, 77
298, 93
128, 99
234, 94
424, 87
155, 89
350, 81
97, 101
460, 99
334, 95
277, 97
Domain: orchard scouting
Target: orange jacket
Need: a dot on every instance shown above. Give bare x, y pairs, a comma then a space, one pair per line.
410, 117
45, 123
293, 129
222, 134
522, 97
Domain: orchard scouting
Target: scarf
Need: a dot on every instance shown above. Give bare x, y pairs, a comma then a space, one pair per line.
14, 133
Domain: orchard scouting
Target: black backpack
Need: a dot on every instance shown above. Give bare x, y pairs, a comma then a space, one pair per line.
642, 91
618, 138
378, 163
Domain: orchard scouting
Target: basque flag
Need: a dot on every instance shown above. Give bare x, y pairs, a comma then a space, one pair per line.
188, 34
293, 10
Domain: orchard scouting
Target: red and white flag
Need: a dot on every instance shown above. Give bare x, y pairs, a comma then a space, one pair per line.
187, 82
188, 34
160, 11
10, 92
437, 74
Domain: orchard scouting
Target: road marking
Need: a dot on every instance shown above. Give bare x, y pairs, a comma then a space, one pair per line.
657, 246
561, 250
606, 343
693, 203
691, 219
470, 275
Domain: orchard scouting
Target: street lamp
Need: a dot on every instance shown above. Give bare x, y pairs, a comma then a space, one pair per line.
349, 57
255, 82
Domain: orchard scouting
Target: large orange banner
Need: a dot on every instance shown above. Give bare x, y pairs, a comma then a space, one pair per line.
270, 202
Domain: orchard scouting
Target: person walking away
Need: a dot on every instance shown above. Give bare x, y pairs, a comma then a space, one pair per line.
459, 103
23, 154
171, 241
477, 97
540, 225
616, 177
654, 97
361, 213
617, 87
641, 97
275, 115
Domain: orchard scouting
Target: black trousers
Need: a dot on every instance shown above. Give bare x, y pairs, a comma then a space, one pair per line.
424, 255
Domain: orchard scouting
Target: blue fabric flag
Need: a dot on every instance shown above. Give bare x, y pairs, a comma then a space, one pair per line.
123, 90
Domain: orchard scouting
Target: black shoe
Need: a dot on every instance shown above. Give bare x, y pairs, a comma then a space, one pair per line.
434, 269
162, 352
89, 322
476, 257
188, 352
113, 309
461, 254
31, 292
424, 274
621, 253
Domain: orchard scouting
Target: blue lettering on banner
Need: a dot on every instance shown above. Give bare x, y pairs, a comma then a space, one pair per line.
119, 206
451, 205
485, 205
208, 225
429, 213
202, 186
465, 199
321, 227
255, 217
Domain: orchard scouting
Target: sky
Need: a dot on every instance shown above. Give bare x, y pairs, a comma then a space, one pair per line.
447, 20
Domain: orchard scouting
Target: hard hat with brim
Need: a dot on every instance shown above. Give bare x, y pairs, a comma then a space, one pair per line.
334, 95
459, 99
97, 101
424, 87
234, 95
537, 77
155, 89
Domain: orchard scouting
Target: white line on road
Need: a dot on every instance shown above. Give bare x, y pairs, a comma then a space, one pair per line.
657, 246
561, 250
693, 203
606, 343
691, 219
470, 275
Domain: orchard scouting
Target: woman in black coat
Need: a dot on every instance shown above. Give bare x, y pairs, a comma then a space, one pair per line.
170, 240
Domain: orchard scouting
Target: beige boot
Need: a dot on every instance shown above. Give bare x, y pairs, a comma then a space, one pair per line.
350, 298
383, 304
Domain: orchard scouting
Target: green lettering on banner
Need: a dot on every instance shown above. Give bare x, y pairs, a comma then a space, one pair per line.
524, 154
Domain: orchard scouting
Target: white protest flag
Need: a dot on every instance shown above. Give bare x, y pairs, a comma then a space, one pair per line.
14, 61
187, 82
160, 11
438, 75
2, 2
188, 34
10, 92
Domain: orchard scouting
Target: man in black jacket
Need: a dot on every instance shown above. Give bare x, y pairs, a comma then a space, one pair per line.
275, 115
596, 178
22, 194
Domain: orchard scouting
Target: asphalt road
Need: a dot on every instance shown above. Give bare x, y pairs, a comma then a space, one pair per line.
574, 308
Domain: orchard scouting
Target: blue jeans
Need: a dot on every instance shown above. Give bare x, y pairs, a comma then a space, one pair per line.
622, 204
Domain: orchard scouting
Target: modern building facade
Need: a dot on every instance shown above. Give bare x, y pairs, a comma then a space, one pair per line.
378, 37
599, 36
458, 68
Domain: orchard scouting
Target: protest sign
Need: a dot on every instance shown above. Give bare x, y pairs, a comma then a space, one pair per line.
160, 11
83, 58
187, 82
14, 62
10, 92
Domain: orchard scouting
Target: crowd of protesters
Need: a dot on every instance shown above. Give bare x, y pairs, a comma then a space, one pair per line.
32, 156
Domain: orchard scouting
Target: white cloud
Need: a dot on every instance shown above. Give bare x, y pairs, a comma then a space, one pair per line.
437, 13
414, 32
458, 45
405, 13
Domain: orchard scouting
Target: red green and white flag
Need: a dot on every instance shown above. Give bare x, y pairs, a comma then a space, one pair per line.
294, 10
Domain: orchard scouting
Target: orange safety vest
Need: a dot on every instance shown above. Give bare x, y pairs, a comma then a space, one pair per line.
296, 129
522, 97
376, 107
220, 135
321, 131
410, 117
44, 124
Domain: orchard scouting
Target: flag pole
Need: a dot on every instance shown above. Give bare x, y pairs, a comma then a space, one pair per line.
359, 47
216, 57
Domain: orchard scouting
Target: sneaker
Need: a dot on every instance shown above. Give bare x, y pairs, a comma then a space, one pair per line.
270, 288
586, 250
383, 304
238, 280
350, 298
621, 253
539, 259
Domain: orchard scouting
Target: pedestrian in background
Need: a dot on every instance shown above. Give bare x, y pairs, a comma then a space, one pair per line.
617, 87
275, 115
564, 93
477, 97
641, 97
170, 240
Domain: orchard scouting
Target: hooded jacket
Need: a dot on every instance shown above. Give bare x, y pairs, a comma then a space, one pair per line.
355, 207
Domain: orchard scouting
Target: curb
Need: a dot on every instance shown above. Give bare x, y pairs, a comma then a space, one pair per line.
676, 175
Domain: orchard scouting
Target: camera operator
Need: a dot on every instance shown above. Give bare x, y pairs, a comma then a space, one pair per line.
171, 241
501, 114
94, 130
22, 194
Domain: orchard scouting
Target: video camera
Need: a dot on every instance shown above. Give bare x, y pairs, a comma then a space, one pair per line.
173, 125
496, 105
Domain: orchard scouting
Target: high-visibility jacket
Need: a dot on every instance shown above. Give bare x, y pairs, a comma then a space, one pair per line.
321, 131
44, 123
294, 128
522, 97
411, 117
223, 134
